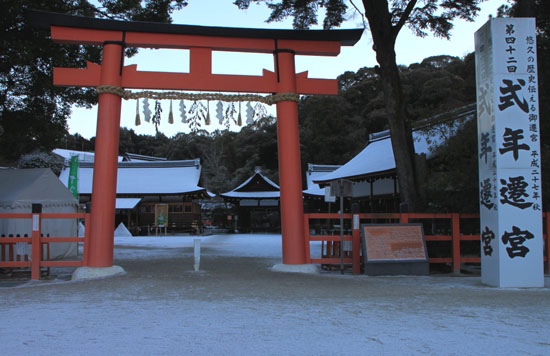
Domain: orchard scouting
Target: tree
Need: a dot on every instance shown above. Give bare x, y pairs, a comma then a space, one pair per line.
42, 160
33, 112
385, 20
77, 143
330, 129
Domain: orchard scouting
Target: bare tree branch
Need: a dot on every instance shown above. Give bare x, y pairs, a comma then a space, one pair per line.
404, 17
360, 13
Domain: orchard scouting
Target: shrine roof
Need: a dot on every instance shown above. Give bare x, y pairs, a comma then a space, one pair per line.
43, 19
314, 172
257, 186
377, 158
146, 178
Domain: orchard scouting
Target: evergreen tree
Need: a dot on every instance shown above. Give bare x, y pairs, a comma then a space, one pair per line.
33, 112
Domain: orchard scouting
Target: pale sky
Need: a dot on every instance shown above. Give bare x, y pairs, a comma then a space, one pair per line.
409, 49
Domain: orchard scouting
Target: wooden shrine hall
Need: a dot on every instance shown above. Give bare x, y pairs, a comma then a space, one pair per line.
112, 79
257, 200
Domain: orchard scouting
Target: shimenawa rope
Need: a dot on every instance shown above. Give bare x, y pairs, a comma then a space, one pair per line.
174, 95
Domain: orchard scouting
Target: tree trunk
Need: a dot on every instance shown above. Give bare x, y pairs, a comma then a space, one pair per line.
526, 8
383, 37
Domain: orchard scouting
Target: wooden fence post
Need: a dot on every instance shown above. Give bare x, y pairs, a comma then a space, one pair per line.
307, 238
86, 238
456, 242
36, 247
356, 250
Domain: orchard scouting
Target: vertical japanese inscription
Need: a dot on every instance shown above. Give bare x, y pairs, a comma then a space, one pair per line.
509, 153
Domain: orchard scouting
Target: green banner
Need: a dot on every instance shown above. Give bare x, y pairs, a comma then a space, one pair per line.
73, 176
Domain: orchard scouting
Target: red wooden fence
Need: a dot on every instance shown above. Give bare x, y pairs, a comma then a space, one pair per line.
37, 241
330, 237
454, 234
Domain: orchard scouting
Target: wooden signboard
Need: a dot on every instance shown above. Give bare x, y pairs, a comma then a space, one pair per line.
161, 215
394, 249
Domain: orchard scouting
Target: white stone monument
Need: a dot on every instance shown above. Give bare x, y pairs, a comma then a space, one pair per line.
509, 153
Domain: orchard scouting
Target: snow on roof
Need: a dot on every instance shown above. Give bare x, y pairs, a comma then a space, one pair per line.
139, 158
377, 157
247, 190
252, 195
82, 156
142, 178
127, 203
315, 172
259, 174
67, 154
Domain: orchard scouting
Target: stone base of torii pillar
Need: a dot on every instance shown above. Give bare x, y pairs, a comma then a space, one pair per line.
302, 268
82, 273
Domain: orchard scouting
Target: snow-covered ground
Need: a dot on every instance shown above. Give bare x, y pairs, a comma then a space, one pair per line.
235, 305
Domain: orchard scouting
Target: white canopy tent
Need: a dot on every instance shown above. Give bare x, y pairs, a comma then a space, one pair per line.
20, 189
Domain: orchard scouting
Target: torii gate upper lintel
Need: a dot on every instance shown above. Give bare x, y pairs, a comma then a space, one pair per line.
114, 36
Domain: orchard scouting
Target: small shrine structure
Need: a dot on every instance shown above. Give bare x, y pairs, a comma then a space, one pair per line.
257, 200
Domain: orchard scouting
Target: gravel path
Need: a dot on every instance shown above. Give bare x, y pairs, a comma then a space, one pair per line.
236, 305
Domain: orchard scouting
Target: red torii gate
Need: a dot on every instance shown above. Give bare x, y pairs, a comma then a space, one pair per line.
115, 36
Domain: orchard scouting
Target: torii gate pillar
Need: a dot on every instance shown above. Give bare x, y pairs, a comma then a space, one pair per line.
100, 253
290, 174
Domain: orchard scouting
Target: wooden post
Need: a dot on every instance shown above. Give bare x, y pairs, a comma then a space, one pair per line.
290, 171
307, 239
456, 242
36, 247
87, 223
356, 245
106, 161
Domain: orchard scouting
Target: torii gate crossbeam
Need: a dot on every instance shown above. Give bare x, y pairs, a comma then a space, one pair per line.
114, 36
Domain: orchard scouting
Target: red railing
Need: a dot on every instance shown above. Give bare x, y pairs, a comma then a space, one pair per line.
453, 234
37, 242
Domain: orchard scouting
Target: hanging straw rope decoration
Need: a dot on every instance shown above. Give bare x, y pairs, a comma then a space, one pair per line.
183, 113
249, 114
207, 120
170, 114
219, 112
138, 121
174, 95
239, 118
146, 111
